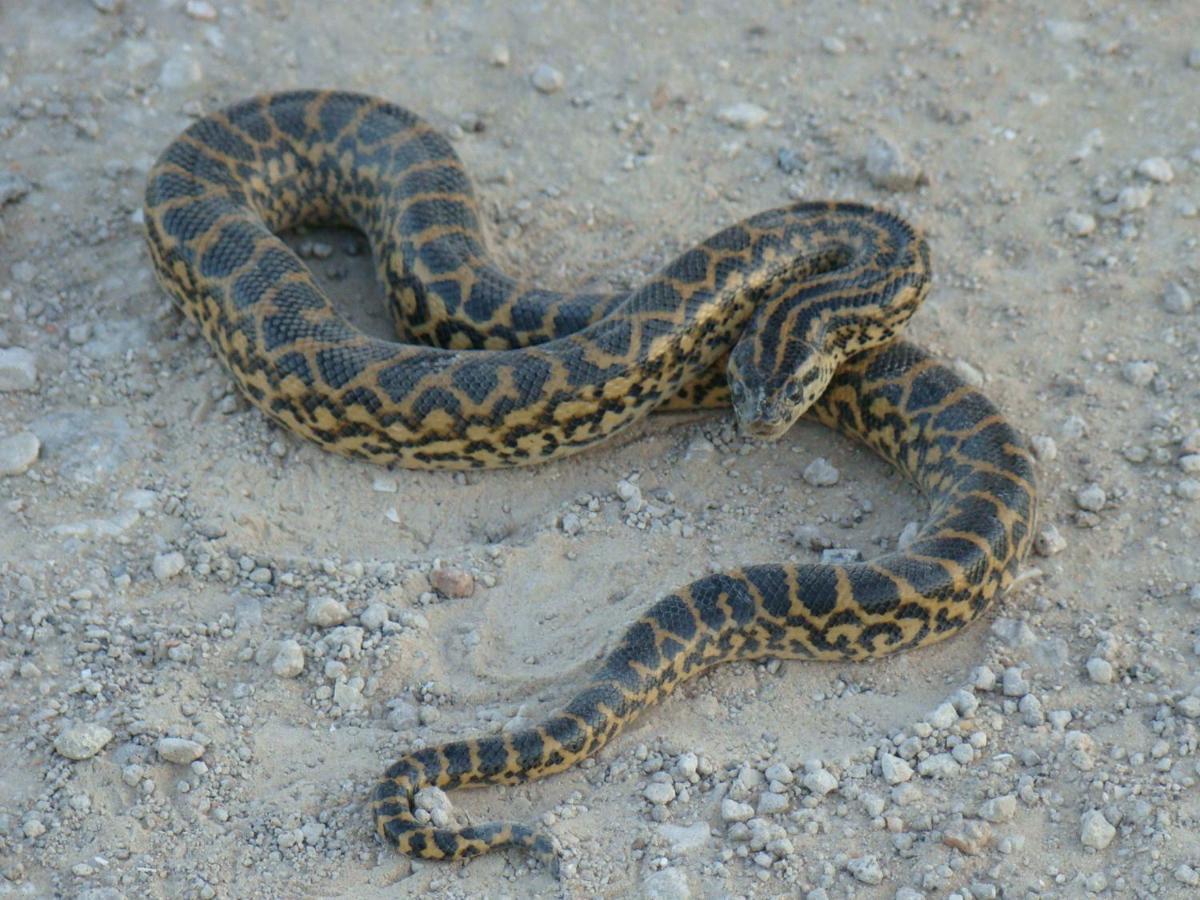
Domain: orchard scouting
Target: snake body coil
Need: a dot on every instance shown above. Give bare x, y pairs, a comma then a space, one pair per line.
799, 305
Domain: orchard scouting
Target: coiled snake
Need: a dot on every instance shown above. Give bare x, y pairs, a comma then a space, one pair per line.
802, 302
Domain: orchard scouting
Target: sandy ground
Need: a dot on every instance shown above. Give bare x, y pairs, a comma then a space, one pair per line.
167, 542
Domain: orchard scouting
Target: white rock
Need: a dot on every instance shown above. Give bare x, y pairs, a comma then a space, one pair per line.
1044, 447
894, 769
1100, 670
167, 565
834, 46
821, 473
1079, 224
546, 78
289, 659
735, 811
1189, 707
779, 772
967, 372
499, 56
1049, 542
1132, 198
1095, 831
1188, 489
1139, 372
686, 765
1190, 463
743, 115
1091, 497
375, 616
18, 369
908, 535
82, 741
179, 750
1156, 169
200, 10
659, 792
943, 717
18, 452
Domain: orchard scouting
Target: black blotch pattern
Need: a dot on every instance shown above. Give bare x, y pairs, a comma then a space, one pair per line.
231, 250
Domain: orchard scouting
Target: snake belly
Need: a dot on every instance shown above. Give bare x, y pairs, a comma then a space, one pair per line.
492, 371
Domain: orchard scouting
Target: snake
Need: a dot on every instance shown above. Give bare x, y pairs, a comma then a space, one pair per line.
791, 312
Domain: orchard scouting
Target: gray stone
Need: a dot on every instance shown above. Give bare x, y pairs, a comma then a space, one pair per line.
18, 369
179, 750
82, 741
18, 452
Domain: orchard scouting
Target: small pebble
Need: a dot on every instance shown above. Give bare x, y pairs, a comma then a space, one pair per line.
1100, 670
888, 167
1133, 198
744, 116
1190, 463
18, 452
18, 369
1188, 489
547, 79
1044, 447
201, 10
834, 46
375, 616
1177, 299
325, 612
1049, 542
1079, 224
499, 56
82, 741
167, 565
1095, 830
865, 869
1156, 169
179, 750
821, 473
1139, 372
1091, 497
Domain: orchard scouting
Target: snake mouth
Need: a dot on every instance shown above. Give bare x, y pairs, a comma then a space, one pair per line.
771, 430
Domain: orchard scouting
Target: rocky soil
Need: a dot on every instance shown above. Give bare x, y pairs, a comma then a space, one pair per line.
213, 637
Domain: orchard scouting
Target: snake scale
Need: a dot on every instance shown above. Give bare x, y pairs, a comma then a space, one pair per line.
795, 309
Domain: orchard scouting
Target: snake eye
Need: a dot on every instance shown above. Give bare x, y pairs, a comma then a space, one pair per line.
738, 391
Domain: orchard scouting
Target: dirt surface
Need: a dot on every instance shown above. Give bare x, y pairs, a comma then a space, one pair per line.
170, 557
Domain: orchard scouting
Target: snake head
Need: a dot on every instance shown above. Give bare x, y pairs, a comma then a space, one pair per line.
769, 399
